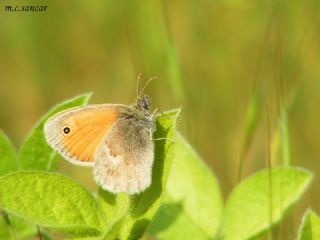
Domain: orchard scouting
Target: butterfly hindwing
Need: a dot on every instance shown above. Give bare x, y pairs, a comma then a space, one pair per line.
123, 161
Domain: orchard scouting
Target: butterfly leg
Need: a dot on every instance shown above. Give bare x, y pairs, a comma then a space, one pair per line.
154, 113
163, 114
156, 139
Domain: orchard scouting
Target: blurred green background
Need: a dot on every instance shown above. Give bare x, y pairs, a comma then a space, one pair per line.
246, 74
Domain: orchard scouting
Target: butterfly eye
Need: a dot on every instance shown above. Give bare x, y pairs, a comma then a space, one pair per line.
66, 130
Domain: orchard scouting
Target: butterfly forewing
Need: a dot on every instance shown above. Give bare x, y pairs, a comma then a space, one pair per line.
76, 133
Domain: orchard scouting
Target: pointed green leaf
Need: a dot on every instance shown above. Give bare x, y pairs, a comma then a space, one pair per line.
192, 199
35, 153
310, 226
51, 200
144, 206
8, 155
261, 200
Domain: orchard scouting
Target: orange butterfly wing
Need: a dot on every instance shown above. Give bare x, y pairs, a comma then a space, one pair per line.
86, 128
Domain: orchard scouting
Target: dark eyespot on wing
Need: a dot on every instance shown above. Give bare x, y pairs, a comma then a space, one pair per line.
66, 130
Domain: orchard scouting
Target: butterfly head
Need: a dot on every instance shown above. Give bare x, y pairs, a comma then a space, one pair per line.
143, 103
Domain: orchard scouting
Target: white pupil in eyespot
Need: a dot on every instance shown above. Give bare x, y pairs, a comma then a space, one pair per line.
66, 130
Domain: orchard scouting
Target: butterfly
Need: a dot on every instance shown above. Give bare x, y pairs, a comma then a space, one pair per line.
115, 139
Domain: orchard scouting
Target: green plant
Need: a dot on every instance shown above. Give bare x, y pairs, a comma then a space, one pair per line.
183, 202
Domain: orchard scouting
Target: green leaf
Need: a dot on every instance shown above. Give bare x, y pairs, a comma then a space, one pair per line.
51, 200
5, 231
35, 153
261, 200
115, 208
192, 199
143, 207
86, 238
8, 155
310, 226
12, 228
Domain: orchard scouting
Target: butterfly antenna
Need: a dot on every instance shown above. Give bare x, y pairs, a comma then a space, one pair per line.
145, 85
138, 81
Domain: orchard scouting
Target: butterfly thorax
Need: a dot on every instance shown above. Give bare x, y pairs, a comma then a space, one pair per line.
143, 118
141, 114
